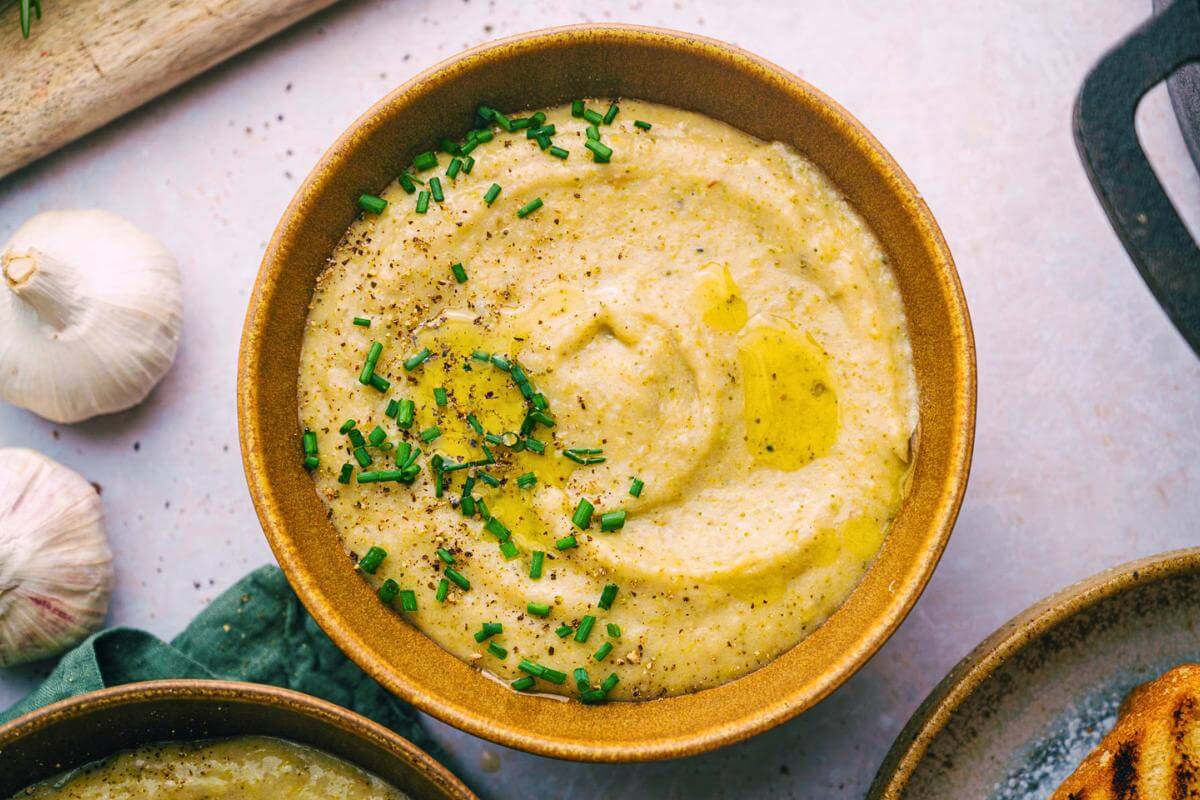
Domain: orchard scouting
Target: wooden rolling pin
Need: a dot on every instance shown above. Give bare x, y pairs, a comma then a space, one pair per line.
90, 61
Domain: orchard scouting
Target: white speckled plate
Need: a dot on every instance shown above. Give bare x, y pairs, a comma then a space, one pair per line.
1016, 717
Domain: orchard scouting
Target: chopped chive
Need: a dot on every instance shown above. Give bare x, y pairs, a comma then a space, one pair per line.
576, 108
544, 130
483, 509
497, 528
601, 153
612, 521
533, 668
435, 187
489, 457
439, 395
459, 272
614, 630
496, 650
362, 457
425, 161
445, 555
422, 202
562, 631
637, 123
372, 204
502, 121
487, 630
558, 152
611, 114
455, 166
610, 683
483, 136
517, 124
362, 322
582, 682
430, 433
356, 437
509, 550
585, 451
593, 117
347, 471
535, 564
536, 119
593, 133
409, 473
368, 369
417, 359
526, 480
389, 590
403, 451
636, 487
381, 476
473, 421
501, 362
457, 578
543, 141
607, 596
380, 383
566, 543
585, 628
554, 676
492, 193
310, 443
311, 462
493, 438
405, 417
592, 697
542, 418
406, 182
393, 408
408, 601
583, 514
377, 436
538, 609
470, 145
489, 479
443, 589
534, 445
467, 506
347, 426
523, 684
455, 467
603, 651
468, 165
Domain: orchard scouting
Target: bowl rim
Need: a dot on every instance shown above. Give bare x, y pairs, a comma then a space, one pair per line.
940, 520
1007, 642
207, 690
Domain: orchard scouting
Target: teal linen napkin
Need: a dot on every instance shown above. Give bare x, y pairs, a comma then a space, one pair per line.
257, 631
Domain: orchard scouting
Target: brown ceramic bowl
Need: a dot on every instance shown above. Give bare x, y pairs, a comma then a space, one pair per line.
548, 68
72, 732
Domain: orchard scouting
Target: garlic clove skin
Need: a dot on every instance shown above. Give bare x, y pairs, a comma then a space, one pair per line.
55, 566
90, 314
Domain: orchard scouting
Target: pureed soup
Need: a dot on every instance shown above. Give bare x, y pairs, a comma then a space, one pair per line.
243, 768
612, 403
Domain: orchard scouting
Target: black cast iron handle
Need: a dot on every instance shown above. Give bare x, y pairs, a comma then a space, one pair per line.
1137, 205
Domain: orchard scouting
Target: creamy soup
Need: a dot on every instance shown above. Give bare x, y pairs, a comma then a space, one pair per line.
244, 768
661, 389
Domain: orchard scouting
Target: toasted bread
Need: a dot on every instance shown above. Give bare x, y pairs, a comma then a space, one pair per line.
1153, 752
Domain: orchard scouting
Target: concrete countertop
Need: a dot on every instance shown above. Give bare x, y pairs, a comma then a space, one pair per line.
1089, 430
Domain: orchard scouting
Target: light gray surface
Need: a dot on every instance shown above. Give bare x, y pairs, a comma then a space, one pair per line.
1089, 428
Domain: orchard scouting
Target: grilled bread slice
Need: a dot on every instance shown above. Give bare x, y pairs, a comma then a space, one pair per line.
1153, 752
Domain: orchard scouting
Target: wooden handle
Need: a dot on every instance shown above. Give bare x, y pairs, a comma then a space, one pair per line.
90, 61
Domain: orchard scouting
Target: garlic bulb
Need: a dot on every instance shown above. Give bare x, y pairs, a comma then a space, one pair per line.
90, 312
55, 565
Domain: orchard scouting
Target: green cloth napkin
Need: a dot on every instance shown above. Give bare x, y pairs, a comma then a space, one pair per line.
257, 631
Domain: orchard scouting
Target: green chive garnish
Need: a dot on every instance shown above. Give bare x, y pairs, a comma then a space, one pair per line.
603, 651
455, 166
566, 543
430, 433
502, 121
457, 578
495, 527
526, 480
347, 471
554, 676
601, 153
417, 359
637, 123
347, 426
309, 441
593, 117
311, 462
501, 362
405, 417
406, 182
562, 631
362, 322
408, 600
425, 161
368, 369
611, 114
483, 136
382, 476
489, 479
389, 590
445, 555
423, 202
473, 421
362, 457
583, 515
492, 193
535, 564
356, 437
467, 506
592, 697
610, 683
534, 669
576, 108
498, 651
558, 152
439, 396
380, 383
612, 521
523, 684
435, 186
636, 487
533, 445
443, 589
377, 436
530, 207
582, 682
614, 630
593, 133
460, 273
538, 609
468, 165
509, 550
585, 628
607, 596
371, 204
488, 630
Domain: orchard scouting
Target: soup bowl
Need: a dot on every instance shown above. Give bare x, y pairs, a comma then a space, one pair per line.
687, 72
